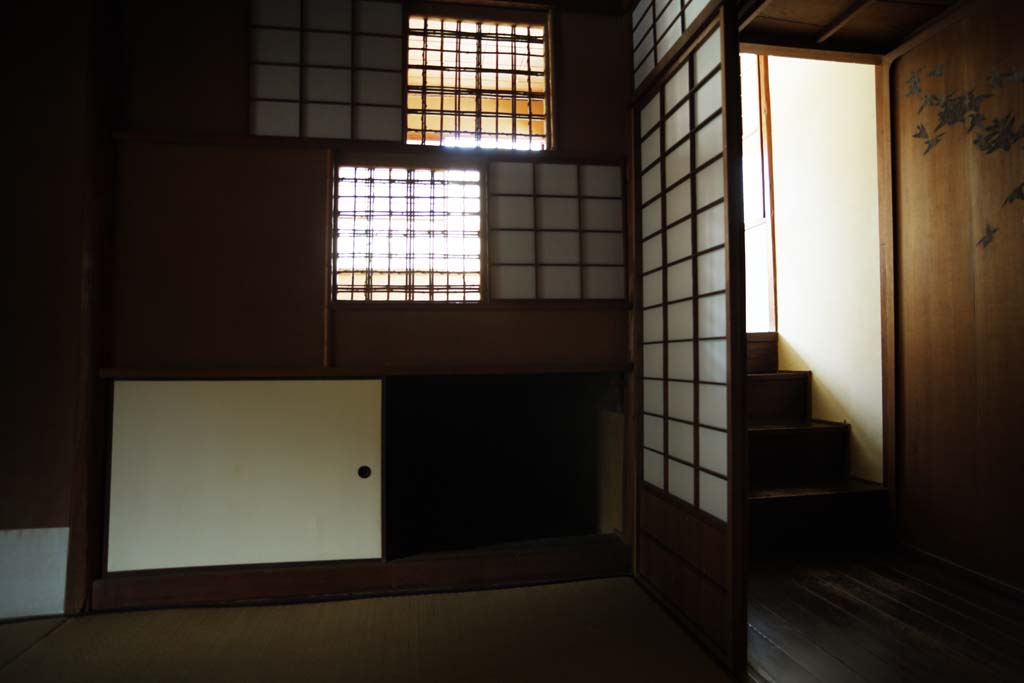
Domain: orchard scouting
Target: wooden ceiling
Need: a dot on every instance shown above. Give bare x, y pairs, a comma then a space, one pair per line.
872, 26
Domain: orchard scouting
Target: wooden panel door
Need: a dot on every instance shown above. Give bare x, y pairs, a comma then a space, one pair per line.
691, 512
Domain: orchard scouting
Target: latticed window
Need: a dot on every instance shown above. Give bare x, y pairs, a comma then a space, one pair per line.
477, 84
404, 234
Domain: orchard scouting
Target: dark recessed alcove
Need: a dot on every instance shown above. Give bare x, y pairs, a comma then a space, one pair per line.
480, 461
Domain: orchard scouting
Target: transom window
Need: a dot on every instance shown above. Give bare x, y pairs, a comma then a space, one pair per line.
406, 234
477, 84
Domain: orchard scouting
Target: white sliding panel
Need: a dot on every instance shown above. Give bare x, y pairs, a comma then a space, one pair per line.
244, 472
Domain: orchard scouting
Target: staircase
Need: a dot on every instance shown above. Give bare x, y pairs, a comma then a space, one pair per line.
801, 494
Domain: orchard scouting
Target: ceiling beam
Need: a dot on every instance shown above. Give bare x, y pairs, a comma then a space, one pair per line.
754, 14
842, 20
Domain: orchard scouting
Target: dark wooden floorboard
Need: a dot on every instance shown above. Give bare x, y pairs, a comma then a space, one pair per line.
882, 618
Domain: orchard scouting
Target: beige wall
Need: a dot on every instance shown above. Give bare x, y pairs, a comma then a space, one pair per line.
827, 248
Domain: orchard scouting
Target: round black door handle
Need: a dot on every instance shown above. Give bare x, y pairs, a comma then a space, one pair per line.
365, 472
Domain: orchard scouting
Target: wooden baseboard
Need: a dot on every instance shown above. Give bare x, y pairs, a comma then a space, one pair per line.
598, 557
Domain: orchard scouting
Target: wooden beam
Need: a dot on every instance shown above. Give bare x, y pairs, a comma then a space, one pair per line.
754, 14
843, 19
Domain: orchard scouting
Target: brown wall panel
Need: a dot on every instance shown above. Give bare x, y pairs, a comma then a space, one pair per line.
219, 257
185, 66
960, 296
467, 336
53, 151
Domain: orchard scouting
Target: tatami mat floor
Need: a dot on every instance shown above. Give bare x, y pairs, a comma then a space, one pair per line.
603, 630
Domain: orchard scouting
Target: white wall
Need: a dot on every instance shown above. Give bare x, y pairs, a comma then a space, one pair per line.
827, 244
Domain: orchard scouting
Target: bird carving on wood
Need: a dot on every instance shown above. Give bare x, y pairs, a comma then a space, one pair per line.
990, 234
1016, 195
930, 142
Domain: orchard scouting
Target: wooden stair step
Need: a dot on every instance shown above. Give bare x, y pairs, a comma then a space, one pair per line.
762, 352
779, 398
790, 456
842, 515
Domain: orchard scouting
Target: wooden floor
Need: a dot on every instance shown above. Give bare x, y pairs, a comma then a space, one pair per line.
883, 617
601, 630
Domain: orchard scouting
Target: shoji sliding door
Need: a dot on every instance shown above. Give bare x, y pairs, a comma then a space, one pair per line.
689, 225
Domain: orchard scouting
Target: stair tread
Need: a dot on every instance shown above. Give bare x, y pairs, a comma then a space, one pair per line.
798, 426
849, 486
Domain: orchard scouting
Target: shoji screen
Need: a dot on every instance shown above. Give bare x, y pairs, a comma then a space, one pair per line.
692, 345
657, 26
327, 69
555, 231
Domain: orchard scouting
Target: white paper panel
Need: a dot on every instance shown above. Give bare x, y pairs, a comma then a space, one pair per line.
556, 179
327, 49
678, 202
680, 320
709, 98
275, 118
33, 572
714, 496
513, 282
379, 17
652, 288
660, 6
379, 53
554, 213
677, 163
599, 248
650, 183
709, 140
713, 361
275, 82
642, 25
328, 120
604, 282
378, 87
710, 184
511, 246
654, 435
680, 440
640, 9
650, 219
559, 282
378, 123
711, 315
654, 469
643, 48
243, 472
510, 178
680, 400
680, 280
668, 39
654, 360
558, 247
654, 396
694, 9
680, 480
328, 15
711, 227
680, 360
650, 115
276, 12
653, 325
650, 252
677, 126
275, 46
708, 55
601, 214
600, 181
713, 405
714, 450
511, 212
711, 271
677, 87
328, 85
645, 69
678, 241
650, 149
